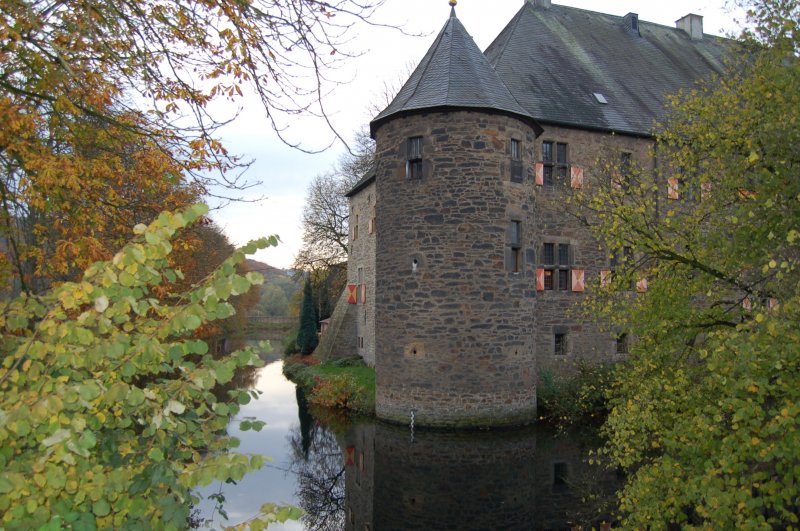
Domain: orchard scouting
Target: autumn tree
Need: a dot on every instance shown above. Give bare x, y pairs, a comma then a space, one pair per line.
108, 419
706, 412
106, 111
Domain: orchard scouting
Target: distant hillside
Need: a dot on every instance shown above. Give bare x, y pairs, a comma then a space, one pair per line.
265, 269
276, 292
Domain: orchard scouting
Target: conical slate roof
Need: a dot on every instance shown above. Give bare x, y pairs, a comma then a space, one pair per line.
454, 74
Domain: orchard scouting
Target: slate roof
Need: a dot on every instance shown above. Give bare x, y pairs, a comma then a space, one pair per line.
553, 60
454, 74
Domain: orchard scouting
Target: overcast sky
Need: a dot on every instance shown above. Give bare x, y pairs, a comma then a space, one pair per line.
387, 54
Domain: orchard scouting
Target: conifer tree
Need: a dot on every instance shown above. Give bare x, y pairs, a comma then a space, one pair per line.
307, 335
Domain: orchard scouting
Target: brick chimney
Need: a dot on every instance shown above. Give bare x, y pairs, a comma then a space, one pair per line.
693, 25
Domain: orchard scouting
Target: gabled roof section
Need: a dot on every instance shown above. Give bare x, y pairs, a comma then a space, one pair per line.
454, 74
555, 59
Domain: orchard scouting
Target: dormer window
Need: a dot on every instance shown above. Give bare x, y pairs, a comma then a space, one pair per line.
414, 161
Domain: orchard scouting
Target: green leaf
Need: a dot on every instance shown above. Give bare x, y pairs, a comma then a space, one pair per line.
101, 507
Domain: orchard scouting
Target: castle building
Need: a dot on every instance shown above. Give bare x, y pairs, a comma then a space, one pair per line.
464, 261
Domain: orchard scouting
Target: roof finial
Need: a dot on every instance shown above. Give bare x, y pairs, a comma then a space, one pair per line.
453, 7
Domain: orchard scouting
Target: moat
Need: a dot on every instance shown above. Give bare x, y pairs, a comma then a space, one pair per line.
366, 475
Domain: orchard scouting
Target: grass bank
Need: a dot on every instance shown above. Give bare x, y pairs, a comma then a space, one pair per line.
346, 384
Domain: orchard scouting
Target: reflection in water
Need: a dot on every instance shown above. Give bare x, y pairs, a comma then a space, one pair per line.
371, 476
317, 462
520, 480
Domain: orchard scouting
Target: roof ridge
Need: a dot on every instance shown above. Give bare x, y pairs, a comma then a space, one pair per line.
450, 54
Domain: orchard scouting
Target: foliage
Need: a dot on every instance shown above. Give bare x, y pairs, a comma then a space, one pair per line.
706, 415
574, 399
108, 112
107, 416
345, 384
307, 338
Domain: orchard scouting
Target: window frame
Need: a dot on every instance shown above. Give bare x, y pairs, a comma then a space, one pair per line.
560, 345
555, 162
557, 264
414, 152
515, 245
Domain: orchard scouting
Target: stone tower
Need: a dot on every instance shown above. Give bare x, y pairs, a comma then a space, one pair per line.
454, 245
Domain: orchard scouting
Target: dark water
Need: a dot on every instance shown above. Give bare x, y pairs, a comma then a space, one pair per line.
369, 476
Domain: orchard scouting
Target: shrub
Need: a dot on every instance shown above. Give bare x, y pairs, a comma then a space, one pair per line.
578, 397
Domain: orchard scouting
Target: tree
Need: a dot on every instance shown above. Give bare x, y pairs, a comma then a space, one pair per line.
706, 412
326, 212
106, 111
307, 339
108, 415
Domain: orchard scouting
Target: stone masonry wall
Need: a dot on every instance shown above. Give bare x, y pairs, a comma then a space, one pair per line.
454, 326
362, 256
556, 310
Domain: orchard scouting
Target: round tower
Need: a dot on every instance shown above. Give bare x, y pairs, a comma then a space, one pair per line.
455, 277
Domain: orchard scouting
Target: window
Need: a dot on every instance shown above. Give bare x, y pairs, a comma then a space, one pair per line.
555, 164
515, 245
560, 344
414, 163
355, 229
622, 343
622, 259
560, 475
556, 267
516, 161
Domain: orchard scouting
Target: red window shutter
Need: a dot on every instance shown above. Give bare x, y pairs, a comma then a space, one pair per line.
576, 177
578, 280
350, 456
605, 278
641, 285
352, 297
672, 188
539, 174
540, 279
363, 293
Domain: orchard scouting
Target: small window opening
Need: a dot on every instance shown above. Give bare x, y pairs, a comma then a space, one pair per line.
514, 149
560, 344
622, 343
600, 98
516, 248
560, 477
414, 163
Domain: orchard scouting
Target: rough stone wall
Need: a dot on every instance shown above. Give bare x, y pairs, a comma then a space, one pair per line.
362, 256
340, 339
453, 325
556, 310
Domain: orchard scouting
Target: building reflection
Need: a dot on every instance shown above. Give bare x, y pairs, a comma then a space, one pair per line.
518, 480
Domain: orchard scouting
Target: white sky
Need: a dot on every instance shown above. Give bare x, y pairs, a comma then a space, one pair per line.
387, 54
